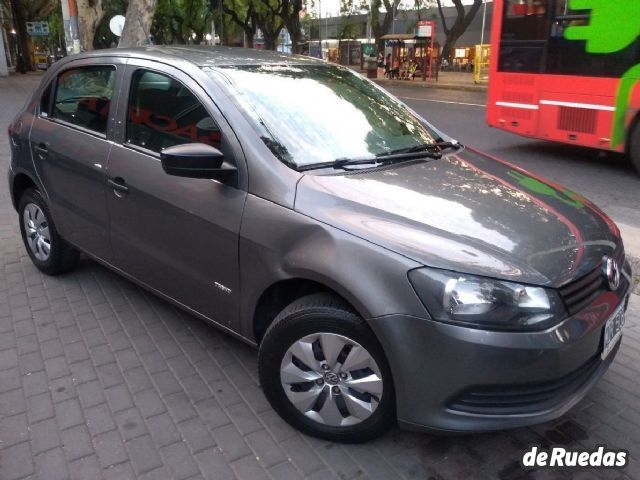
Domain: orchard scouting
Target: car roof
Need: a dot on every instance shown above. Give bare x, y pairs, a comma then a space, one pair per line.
205, 56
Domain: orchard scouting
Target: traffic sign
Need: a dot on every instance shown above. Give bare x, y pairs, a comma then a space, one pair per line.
424, 29
38, 28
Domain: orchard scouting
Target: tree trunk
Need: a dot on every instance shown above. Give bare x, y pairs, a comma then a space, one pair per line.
90, 13
138, 23
24, 58
295, 41
292, 22
380, 29
462, 22
270, 41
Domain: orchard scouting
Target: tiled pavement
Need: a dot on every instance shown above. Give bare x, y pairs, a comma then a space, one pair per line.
99, 379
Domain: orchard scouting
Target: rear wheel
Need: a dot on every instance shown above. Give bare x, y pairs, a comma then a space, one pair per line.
325, 373
48, 251
634, 147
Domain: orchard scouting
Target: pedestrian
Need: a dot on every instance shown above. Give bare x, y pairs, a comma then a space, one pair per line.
387, 66
413, 67
380, 65
395, 68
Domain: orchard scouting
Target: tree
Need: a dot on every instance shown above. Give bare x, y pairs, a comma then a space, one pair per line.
23, 11
381, 27
90, 13
269, 20
291, 10
103, 37
349, 29
137, 25
460, 25
243, 14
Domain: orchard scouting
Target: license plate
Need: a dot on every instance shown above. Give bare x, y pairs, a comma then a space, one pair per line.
613, 330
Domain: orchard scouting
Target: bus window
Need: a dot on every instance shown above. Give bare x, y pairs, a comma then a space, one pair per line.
525, 27
525, 20
569, 57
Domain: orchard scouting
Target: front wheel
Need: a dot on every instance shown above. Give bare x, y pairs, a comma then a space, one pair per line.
324, 372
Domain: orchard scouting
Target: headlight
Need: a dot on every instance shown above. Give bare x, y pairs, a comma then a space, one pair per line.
485, 302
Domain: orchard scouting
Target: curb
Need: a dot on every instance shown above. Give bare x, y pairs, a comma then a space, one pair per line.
635, 266
421, 84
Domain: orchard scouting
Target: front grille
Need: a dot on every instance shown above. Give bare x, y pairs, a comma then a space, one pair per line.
579, 294
524, 398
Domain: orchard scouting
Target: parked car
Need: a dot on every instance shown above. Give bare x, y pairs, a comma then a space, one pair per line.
384, 271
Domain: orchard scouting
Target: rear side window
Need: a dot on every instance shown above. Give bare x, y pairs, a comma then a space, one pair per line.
83, 96
163, 113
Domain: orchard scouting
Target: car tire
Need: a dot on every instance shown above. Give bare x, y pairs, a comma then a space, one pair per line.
357, 402
634, 147
47, 250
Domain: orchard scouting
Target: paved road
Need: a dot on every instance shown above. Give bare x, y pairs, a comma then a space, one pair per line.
99, 379
605, 178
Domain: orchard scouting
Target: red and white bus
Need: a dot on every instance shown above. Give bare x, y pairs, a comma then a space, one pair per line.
547, 84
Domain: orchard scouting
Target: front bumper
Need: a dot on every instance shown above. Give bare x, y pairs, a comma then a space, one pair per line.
521, 378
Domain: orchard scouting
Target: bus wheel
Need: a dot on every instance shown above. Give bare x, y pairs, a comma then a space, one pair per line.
634, 147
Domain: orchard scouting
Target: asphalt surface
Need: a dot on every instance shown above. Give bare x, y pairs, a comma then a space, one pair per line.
607, 179
101, 380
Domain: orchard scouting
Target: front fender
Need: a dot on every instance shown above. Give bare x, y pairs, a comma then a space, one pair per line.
277, 243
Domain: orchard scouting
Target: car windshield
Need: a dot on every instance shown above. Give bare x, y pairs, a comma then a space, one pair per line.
313, 114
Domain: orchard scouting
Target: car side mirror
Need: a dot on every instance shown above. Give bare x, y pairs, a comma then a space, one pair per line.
196, 160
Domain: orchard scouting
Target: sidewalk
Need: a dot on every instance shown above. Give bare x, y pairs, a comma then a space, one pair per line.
446, 80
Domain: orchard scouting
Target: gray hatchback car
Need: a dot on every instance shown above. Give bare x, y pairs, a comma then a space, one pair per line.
385, 271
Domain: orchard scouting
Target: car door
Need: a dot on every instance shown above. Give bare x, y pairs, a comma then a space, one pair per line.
177, 235
70, 143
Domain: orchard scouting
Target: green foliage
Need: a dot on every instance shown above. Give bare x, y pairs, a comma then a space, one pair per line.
175, 21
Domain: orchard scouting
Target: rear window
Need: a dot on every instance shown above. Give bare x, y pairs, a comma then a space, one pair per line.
83, 96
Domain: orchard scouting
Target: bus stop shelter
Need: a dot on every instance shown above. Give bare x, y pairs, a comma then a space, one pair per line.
413, 46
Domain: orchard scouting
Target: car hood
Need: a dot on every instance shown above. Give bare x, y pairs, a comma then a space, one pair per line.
469, 213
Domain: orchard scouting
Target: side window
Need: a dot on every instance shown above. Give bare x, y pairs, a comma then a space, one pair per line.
525, 27
570, 57
45, 101
532, 41
83, 96
163, 112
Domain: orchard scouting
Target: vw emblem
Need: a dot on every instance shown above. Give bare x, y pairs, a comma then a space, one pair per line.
331, 378
612, 272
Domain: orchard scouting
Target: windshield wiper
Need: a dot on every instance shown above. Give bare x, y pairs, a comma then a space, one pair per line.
445, 145
378, 160
435, 148
429, 150
340, 163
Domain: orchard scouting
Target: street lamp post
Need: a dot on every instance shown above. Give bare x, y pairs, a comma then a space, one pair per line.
484, 19
320, 27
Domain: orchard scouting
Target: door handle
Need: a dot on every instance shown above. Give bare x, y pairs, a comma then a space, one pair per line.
118, 185
42, 150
